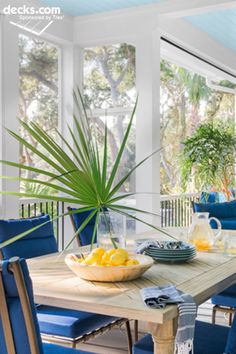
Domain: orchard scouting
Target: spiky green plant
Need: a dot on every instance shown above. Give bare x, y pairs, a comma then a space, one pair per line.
82, 175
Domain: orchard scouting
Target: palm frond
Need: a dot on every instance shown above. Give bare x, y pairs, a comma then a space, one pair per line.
77, 173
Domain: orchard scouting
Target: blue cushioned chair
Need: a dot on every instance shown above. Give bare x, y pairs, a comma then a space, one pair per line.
226, 213
19, 329
208, 339
73, 326
85, 236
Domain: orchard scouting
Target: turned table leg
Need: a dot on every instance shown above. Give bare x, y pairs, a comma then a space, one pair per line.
163, 336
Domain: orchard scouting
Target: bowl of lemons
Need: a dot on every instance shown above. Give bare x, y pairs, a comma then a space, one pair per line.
111, 265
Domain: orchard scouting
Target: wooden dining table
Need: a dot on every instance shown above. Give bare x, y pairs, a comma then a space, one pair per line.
209, 273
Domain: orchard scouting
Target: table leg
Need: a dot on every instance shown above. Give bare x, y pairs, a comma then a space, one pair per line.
163, 336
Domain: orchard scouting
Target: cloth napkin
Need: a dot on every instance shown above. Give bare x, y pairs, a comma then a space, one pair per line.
158, 297
168, 245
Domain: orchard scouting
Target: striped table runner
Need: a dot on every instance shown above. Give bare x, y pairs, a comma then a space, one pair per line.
159, 296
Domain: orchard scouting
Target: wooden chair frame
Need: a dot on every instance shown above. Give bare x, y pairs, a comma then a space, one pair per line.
14, 267
228, 310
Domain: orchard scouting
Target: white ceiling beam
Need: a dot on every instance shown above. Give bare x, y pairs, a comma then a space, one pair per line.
183, 33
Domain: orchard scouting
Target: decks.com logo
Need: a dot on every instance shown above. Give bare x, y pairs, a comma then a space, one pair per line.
30, 10
33, 19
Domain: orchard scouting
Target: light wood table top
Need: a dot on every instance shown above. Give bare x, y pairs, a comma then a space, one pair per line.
208, 274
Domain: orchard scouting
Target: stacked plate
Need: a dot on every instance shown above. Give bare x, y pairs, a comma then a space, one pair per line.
171, 251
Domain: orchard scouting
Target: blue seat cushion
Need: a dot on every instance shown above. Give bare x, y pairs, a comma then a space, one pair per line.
144, 345
57, 349
231, 341
226, 297
86, 234
37, 243
69, 323
208, 339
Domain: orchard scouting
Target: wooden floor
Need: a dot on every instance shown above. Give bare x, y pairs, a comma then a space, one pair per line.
114, 342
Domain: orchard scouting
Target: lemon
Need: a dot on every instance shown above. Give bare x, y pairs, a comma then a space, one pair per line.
132, 262
92, 258
100, 251
105, 258
122, 252
117, 259
110, 252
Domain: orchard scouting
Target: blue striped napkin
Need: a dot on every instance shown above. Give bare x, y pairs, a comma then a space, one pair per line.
159, 296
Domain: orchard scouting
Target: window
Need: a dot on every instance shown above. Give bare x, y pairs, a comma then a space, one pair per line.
38, 91
186, 102
109, 88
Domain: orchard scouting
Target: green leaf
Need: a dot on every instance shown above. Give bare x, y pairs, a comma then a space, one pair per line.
121, 182
94, 230
120, 152
81, 228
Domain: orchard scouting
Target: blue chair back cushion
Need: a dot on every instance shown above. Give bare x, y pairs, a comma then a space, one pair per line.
86, 234
231, 340
225, 212
38, 243
226, 298
15, 311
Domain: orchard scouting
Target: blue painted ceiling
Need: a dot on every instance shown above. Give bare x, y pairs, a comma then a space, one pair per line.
89, 7
221, 25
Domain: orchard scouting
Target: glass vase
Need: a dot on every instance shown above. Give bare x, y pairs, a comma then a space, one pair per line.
111, 230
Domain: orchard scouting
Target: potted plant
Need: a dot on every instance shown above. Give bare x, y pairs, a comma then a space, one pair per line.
208, 156
81, 176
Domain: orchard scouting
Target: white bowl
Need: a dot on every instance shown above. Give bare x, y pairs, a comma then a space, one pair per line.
110, 273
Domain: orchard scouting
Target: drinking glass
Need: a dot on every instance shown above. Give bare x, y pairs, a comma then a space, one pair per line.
111, 230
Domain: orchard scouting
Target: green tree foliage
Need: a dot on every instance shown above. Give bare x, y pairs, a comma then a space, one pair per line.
38, 89
186, 103
109, 82
208, 157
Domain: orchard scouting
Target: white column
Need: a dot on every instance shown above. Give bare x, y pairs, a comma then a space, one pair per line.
71, 77
9, 148
148, 124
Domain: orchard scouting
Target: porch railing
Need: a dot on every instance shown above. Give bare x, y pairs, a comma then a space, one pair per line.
33, 207
176, 211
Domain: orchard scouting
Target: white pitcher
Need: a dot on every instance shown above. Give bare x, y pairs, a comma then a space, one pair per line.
200, 232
